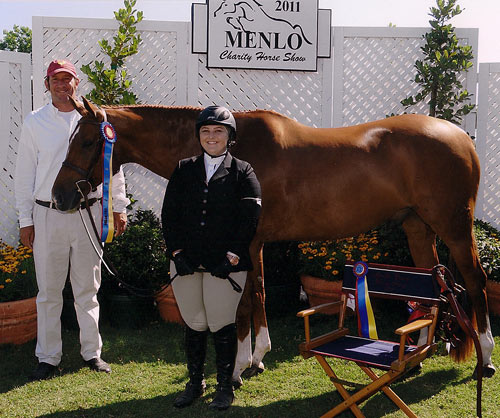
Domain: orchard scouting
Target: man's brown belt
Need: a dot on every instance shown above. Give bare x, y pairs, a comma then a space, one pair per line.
52, 205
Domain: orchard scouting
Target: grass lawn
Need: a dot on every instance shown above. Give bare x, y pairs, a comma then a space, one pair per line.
149, 371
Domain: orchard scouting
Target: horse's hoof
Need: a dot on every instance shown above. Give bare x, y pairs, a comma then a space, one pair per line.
488, 371
252, 371
237, 383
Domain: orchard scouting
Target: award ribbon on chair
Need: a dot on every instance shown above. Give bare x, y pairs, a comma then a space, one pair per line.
107, 227
366, 319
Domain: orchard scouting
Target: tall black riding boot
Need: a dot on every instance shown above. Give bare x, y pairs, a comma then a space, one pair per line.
226, 346
196, 349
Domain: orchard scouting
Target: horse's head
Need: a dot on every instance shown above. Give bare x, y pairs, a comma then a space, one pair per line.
80, 169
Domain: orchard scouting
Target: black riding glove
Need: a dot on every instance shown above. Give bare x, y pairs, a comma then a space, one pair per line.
182, 265
222, 270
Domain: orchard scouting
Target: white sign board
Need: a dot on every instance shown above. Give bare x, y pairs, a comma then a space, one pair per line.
263, 34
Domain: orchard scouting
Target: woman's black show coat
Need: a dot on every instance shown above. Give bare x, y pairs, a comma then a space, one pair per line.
207, 220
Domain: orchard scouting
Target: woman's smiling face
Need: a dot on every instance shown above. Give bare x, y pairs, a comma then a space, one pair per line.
213, 139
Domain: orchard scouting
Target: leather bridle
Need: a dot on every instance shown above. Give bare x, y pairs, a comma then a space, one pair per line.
86, 174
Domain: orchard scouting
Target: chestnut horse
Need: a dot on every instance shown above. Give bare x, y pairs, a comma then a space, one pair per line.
317, 184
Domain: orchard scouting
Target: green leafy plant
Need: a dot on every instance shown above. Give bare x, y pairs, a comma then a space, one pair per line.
18, 39
112, 85
138, 255
387, 244
444, 60
17, 273
488, 245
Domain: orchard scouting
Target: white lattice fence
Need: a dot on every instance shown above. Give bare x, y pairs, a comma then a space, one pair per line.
304, 96
15, 104
488, 143
158, 70
374, 70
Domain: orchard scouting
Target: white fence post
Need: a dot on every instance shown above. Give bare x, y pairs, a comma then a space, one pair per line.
15, 104
487, 143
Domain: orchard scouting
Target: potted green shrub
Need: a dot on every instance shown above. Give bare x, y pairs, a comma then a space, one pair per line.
18, 291
488, 244
139, 256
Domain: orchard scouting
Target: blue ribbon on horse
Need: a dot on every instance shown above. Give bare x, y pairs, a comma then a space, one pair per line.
107, 226
366, 319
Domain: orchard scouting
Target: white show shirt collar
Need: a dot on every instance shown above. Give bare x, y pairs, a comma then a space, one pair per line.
212, 164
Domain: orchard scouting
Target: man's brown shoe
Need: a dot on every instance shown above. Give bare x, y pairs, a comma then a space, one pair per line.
98, 365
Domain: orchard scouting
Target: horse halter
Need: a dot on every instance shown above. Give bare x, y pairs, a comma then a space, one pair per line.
85, 173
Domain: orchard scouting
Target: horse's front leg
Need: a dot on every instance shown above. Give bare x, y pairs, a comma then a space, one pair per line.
262, 339
243, 323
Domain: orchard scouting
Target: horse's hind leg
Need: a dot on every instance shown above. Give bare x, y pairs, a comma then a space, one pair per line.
422, 243
456, 230
466, 257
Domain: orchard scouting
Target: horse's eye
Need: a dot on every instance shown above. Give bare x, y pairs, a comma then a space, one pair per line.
87, 144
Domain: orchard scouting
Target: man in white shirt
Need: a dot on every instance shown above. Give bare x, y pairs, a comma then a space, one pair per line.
58, 239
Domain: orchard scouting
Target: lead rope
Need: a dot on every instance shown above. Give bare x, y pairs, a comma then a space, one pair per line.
111, 268
107, 263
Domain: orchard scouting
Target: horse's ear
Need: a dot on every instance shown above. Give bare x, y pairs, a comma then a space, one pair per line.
77, 105
91, 108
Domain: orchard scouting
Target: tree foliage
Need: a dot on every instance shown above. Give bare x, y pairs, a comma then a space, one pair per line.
112, 85
18, 39
444, 60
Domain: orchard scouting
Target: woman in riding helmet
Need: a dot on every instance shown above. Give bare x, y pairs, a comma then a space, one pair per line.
209, 216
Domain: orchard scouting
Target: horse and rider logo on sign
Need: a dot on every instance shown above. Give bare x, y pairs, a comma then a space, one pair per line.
263, 34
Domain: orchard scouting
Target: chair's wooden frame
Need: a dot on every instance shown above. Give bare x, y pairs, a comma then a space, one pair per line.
400, 366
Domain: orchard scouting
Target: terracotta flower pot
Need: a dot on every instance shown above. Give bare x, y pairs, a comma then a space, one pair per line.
493, 292
18, 321
167, 306
321, 291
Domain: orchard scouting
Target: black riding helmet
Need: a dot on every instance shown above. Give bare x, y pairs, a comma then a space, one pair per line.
217, 115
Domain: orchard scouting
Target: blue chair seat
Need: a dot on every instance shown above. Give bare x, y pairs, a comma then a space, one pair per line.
376, 353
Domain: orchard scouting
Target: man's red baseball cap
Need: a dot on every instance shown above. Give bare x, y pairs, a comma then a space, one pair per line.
59, 66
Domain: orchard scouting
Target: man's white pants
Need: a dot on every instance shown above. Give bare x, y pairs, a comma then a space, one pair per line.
61, 242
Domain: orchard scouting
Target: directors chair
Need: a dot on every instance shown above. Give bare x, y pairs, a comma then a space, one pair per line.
362, 283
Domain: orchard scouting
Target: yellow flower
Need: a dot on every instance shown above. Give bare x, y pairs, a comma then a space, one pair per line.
335, 272
23, 272
8, 281
328, 267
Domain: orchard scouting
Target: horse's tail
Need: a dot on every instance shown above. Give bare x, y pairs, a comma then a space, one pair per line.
465, 348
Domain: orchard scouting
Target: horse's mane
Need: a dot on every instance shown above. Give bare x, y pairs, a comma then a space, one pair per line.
150, 106
193, 108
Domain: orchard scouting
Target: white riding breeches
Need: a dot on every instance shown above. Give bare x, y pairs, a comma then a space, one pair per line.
205, 301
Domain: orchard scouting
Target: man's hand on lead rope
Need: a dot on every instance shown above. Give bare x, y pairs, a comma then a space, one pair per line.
120, 223
27, 236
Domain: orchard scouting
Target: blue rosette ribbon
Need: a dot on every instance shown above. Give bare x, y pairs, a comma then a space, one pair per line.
366, 320
107, 226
